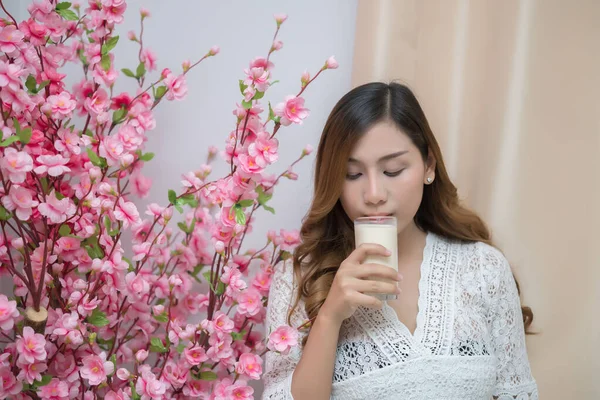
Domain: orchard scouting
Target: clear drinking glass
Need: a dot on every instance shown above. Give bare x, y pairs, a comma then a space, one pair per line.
380, 230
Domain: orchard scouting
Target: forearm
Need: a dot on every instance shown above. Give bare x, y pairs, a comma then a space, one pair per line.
313, 376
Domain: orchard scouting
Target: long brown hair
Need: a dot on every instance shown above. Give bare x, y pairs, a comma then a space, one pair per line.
328, 234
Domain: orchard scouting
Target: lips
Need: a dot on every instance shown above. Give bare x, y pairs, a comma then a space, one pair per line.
379, 215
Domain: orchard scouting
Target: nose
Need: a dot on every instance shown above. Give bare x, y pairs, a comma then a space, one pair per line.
375, 192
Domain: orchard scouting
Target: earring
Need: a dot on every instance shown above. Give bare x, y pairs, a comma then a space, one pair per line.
429, 180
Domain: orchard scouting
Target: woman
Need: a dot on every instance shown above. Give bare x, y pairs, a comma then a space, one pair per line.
456, 331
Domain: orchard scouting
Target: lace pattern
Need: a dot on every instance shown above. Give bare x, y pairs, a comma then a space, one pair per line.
468, 343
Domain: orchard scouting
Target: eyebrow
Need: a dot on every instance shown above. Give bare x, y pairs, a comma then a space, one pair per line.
384, 158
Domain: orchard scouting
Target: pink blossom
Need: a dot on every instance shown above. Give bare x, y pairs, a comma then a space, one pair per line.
249, 302
220, 346
9, 385
60, 105
55, 390
10, 75
141, 355
32, 372
111, 148
277, 45
123, 374
283, 339
95, 368
177, 88
93, 53
257, 76
31, 346
249, 165
195, 355
148, 58
214, 51
144, 12
8, 313
114, 10
227, 390
137, 286
21, 201
68, 141
250, 365
10, 38
127, 212
54, 165
264, 149
98, 104
291, 110
280, 18
305, 79
331, 63
57, 211
307, 150
291, 239
140, 185
17, 164
36, 33
175, 374
87, 306
147, 386
119, 395
261, 62
262, 282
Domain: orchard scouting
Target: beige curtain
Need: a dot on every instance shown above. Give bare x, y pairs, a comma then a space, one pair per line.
512, 91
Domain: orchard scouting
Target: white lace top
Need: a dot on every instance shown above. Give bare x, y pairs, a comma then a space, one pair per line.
469, 341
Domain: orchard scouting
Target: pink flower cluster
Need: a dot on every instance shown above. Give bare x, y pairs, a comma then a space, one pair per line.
119, 317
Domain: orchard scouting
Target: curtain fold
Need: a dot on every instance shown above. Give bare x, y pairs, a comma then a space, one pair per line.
512, 91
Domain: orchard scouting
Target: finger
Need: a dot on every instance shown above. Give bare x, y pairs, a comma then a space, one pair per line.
376, 287
367, 301
369, 270
365, 249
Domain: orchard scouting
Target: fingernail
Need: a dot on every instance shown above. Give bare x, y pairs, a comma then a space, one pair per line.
400, 277
388, 253
398, 290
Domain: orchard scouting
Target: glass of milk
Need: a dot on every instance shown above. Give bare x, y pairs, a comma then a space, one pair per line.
383, 231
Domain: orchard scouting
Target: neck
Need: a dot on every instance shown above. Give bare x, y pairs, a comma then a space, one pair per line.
411, 241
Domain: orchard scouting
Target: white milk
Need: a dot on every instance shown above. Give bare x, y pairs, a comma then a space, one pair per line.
385, 235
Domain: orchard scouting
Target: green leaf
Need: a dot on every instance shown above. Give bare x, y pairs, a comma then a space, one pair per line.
95, 159
67, 14
220, 288
42, 85
45, 380
4, 214
208, 376
164, 318
247, 104
17, 125
134, 394
119, 114
147, 156
63, 6
105, 62
262, 196
242, 87
180, 347
64, 230
113, 359
25, 135
172, 197
271, 112
140, 70
183, 226
178, 208
157, 346
98, 318
269, 209
31, 84
238, 335
246, 203
128, 72
160, 92
187, 199
44, 181
258, 95
10, 140
109, 44
240, 216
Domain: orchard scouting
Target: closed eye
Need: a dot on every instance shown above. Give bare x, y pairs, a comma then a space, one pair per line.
393, 174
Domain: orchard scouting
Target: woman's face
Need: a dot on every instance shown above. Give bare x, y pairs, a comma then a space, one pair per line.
385, 176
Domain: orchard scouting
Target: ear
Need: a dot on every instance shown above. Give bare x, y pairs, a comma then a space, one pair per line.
430, 164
